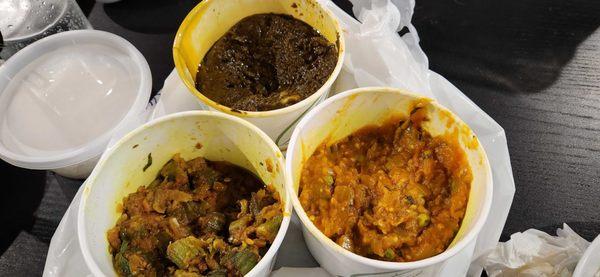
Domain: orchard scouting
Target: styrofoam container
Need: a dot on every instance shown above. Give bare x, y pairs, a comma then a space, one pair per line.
211, 19
65, 96
120, 172
343, 114
589, 264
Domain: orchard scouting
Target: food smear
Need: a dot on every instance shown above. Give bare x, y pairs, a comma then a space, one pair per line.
197, 218
266, 62
391, 192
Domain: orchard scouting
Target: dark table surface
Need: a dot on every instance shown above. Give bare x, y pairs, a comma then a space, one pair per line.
532, 65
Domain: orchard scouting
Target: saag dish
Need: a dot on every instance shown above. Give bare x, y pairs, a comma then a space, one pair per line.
266, 62
197, 218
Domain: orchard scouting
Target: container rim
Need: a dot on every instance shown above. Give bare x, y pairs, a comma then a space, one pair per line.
328, 243
94, 147
185, 25
81, 226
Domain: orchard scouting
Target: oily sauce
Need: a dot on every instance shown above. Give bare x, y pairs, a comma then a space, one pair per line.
197, 218
390, 192
266, 62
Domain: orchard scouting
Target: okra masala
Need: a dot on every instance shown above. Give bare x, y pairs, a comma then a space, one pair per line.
197, 218
391, 192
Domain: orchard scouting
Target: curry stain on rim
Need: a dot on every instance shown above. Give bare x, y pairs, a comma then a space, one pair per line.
467, 135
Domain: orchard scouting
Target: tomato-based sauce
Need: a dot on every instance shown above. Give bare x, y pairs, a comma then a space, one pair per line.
391, 192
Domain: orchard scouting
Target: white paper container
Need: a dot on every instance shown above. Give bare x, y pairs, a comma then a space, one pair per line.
211, 19
77, 162
589, 264
119, 172
347, 112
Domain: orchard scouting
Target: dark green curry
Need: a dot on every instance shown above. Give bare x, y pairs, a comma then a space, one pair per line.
266, 62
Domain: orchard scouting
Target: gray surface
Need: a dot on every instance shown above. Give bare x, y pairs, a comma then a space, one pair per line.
26, 254
533, 66
554, 141
25, 257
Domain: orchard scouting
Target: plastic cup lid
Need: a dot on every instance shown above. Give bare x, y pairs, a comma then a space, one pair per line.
63, 97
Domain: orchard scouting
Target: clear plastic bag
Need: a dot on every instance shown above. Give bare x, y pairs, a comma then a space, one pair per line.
375, 54
535, 253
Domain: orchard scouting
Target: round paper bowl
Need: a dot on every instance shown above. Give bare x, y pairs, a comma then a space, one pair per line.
349, 111
214, 136
211, 19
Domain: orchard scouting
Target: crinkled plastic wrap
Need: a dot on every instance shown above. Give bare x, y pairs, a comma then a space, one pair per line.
376, 56
535, 253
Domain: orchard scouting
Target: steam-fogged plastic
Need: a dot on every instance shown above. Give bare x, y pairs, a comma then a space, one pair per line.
23, 22
375, 56
64, 97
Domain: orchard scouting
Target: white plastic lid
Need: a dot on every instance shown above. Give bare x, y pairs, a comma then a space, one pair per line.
63, 97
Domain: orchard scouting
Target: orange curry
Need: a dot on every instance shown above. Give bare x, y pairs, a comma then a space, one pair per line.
391, 192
